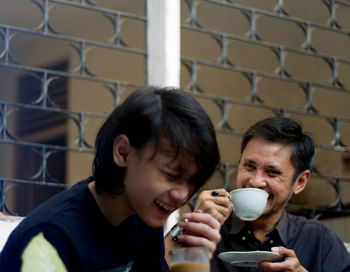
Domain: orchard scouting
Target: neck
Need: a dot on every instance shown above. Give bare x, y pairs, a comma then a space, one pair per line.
264, 225
114, 208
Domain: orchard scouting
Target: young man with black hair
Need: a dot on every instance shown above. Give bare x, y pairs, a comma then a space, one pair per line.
153, 152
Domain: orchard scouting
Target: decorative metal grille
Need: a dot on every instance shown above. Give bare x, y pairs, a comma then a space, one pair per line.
243, 60
208, 21
42, 105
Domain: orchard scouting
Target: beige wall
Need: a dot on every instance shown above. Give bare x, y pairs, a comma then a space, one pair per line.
92, 97
276, 92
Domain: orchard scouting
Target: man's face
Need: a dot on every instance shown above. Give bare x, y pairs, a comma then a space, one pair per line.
266, 165
156, 185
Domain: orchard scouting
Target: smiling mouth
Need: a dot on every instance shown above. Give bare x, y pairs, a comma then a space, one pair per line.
163, 206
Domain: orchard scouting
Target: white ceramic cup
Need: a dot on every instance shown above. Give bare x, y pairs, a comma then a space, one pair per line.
248, 203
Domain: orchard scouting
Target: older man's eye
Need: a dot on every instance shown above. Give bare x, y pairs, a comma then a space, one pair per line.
249, 166
273, 173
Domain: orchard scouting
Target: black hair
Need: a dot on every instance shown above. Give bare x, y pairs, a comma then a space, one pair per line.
148, 115
286, 131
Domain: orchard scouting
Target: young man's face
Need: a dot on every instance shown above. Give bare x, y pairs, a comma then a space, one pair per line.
156, 185
266, 165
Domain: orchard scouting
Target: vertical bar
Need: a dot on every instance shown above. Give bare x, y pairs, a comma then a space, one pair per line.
163, 50
2, 196
163, 43
3, 121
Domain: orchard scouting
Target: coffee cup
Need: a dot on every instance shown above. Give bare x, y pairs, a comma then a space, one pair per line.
248, 203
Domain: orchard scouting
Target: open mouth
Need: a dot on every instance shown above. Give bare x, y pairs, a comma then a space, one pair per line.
164, 207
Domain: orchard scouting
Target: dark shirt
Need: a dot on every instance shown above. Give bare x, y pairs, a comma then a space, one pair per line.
85, 240
317, 247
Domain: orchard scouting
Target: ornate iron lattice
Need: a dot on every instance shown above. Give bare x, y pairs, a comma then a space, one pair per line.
43, 102
198, 11
235, 92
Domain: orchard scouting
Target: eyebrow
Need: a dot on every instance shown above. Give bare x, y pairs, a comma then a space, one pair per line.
249, 161
274, 168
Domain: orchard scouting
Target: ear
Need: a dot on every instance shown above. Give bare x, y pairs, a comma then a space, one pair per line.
121, 150
301, 181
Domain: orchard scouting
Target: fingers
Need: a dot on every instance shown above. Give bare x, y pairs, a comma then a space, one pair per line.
290, 262
201, 218
221, 199
217, 192
201, 229
284, 251
216, 203
197, 241
219, 213
203, 226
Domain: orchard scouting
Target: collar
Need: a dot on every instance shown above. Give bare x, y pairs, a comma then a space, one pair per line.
234, 225
282, 227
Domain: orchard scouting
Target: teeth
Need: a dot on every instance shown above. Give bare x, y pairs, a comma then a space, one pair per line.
164, 206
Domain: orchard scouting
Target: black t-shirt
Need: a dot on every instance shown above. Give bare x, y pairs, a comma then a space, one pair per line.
72, 222
317, 247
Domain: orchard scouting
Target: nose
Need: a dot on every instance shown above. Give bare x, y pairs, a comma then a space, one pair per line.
257, 180
180, 192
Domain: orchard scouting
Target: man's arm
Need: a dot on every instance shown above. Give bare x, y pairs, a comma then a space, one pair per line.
329, 254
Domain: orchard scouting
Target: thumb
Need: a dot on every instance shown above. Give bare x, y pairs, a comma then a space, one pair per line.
276, 249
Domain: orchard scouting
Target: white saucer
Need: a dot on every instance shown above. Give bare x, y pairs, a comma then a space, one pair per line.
249, 258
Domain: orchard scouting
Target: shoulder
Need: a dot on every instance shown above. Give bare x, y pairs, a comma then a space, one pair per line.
317, 245
19, 239
303, 224
54, 218
314, 231
299, 226
60, 208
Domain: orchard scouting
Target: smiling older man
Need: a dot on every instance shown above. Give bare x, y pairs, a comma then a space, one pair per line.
276, 157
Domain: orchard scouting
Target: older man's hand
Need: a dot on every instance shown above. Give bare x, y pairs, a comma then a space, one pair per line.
216, 203
290, 263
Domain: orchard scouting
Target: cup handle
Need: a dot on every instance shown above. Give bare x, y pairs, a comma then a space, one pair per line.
233, 207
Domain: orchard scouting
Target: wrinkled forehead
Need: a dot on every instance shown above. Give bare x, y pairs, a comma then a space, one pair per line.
260, 147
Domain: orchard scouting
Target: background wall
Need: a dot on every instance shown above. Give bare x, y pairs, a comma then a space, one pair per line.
243, 61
